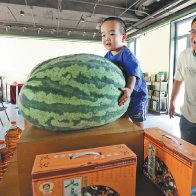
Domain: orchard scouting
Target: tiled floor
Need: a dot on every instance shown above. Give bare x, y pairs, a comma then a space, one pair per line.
153, 120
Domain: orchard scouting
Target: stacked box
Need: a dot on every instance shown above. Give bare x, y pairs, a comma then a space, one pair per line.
170, 163
154, 105
109, 170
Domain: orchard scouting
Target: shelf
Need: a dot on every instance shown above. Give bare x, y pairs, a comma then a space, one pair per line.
161, 112
158, 96
158, 90
159, 81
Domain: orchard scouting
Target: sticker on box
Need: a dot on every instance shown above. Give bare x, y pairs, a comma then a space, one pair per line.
174, 171
46, 188
156, 170
72, 187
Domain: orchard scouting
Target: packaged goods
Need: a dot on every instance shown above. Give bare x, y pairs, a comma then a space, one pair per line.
170, 163
109, 170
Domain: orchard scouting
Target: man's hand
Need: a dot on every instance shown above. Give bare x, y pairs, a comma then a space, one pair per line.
125, 97
175, 91
171, 110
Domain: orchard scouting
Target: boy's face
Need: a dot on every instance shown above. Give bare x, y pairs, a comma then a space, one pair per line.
112, 37
193, 36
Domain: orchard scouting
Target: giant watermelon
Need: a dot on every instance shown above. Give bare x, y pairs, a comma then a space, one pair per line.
72, 92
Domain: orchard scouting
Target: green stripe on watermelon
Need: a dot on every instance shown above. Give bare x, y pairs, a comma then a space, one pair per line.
74, 59
75, 70
40, 99
73, 121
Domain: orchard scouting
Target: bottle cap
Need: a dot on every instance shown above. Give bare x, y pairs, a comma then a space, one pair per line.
2, 142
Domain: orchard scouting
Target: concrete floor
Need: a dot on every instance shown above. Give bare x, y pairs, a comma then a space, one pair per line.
163, 122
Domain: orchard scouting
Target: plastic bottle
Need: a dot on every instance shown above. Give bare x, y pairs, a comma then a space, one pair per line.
2, 149
2, 144
3, 163
12, 136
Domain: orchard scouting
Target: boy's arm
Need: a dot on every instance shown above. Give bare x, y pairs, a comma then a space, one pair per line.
127, 90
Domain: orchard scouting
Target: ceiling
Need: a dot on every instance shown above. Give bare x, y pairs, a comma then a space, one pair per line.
80, 19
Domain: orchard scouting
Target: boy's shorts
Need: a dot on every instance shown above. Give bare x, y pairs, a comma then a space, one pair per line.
138, 110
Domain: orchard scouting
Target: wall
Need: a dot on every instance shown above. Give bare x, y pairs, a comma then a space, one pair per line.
154, 50
19, 55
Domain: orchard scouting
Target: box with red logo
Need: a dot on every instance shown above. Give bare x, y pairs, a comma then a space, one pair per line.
170, 163
109, 170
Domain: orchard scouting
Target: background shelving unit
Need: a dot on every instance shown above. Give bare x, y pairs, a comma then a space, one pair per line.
158, 96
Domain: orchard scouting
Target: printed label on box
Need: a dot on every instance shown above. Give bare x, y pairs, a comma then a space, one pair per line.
151, 160
99, 190
109, 170
72, 187
46, 188
175, 163
160, 175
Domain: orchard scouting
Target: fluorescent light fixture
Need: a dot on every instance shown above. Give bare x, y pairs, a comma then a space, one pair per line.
98, 26
22, 13
82, 19
68, 33
39, 30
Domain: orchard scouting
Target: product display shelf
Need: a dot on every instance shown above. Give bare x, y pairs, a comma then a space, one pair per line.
158, 96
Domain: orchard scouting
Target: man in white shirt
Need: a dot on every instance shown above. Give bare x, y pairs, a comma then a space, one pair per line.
186, 72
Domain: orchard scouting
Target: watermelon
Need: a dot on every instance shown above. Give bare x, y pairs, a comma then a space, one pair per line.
72, 92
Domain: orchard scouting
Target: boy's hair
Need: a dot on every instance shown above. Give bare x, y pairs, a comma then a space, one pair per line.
119, 20
194, 20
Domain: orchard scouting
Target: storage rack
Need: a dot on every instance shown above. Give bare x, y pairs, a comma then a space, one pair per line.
158, 96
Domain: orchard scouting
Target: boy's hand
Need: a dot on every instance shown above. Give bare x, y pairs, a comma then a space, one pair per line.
125, 97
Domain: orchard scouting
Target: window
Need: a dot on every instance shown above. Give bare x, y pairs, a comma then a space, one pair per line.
133, 45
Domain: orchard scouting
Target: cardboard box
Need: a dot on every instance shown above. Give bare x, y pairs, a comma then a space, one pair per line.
35, 141
109, 170
154, 105
143, 185
170, 163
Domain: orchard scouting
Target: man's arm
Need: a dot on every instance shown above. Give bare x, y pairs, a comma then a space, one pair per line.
127, 90
175, 91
